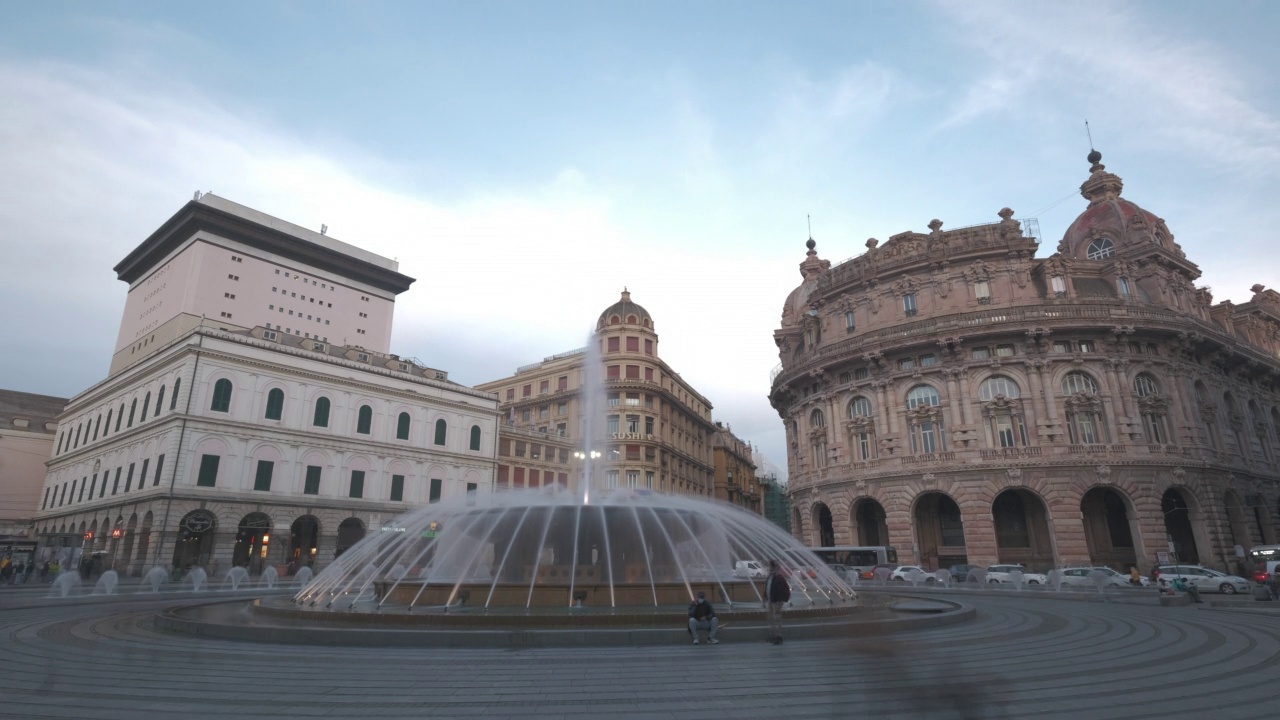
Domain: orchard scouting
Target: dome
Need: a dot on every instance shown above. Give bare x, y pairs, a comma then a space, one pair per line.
1111, 223
625, 310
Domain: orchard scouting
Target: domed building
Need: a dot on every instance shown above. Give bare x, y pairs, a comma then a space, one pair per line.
957, 397
653, 430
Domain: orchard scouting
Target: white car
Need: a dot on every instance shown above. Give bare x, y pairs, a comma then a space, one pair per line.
749, 569
1001, 574
1083, 576
903, 573
1205, 579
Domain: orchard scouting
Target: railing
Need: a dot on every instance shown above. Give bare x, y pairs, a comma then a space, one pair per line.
1012, 452
926, 458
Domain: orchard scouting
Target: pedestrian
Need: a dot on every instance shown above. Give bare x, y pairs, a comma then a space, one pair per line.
1180, 583
19, 572
703, 617
44, 572
1135, 577
777, 592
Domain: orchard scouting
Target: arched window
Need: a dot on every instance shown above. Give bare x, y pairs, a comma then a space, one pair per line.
133, 408
862, 428
159, 402
97, 424
1084, 410
475, 437
816, 419
1002, 412
442, 428
364, 420
1145, 386
275, 404
321, 417
146, 403
119, 417
221, 396
1101, 249
402, 426
107, 428
1152, 407
177, 385
924, 419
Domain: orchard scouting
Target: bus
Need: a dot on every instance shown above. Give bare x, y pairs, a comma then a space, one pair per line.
857, 559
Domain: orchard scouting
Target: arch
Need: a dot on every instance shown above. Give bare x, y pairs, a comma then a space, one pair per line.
1145, 385
1078, 381
320, 418
442, 430
922, 395
869, 523
350, 532
822, 522
252, 541
998, 386
817, 419
475, 437
939, 530
221, 401
195, 543
275, 404
402, 426
364, 420
860, 406
1021, 522
1177, 506
304, 541
1110, 528
631, 319
1101, 249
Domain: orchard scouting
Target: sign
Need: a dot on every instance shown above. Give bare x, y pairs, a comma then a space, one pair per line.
1162, 558
88, 535
198, 521
392, 528
630, 436
117, 533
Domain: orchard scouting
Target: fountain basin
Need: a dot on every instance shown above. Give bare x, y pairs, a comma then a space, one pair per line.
562, 594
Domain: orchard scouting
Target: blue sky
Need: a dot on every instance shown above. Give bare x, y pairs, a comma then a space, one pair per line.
498, 149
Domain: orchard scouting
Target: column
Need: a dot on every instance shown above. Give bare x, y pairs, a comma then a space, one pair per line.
966, 396
1037, 390
956, 417
1117, 430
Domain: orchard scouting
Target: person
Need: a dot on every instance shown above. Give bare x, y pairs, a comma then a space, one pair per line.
703, 617
1135, 577
777, 592
1180, 583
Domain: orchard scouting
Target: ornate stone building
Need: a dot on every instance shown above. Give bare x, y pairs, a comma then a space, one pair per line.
735, 471
954, 396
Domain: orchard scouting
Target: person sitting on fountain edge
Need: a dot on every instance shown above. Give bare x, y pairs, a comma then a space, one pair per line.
703, 617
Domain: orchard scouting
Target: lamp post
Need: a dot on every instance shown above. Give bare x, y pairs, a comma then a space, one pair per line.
586, 456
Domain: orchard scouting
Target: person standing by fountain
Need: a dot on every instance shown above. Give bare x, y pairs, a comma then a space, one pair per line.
1135, 577
777, 593
703, 617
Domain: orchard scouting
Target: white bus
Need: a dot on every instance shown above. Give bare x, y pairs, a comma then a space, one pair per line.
857, 559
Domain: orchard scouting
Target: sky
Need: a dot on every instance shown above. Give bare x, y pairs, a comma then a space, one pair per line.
526, 161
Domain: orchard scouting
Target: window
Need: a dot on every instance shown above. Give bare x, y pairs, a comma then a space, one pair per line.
850, 324
648, 425
527, 390
633, 344
402, 426
612, 372
364, 420
471, 493
128, 479
648, 479
397, 488
909, 304
155, 479
1006, 351
1003, 419
924, 419
1085, 346
928, 360
1145, 386
982, 290
221, 396
613, 399
863, 430
475, 436
906, 363
436, 486
133, 407
142, 476
208, 476
611, 424
526, 415
861, 373
633, 399
1101, 249
981, 353
511, 394
648, 347
816, 419
633, 478
544, 412
633, 424
544, 387
1061, 346
357, 484
614, 344
562, 408
1122, 284
275, 404
611, 478
1059, 285
119, 417
1078, 383
321, 416
562, 383
1084, 410
1152, 409
262, 479
441, 429
311, 486
159, 406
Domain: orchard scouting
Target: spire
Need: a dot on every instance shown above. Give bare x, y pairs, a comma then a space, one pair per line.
626, 296
1101, 185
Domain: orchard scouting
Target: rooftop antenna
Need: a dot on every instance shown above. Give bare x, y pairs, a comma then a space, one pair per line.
1087, 132
197, 197
809, 221
324, 229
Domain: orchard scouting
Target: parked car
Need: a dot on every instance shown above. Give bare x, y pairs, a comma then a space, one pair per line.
1205, 579
960, 573
1083, 576
844, 573
1266, 571
749, 569
902, 573
1000, 574
870, 574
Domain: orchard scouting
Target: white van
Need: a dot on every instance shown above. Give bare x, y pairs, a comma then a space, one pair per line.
749, 569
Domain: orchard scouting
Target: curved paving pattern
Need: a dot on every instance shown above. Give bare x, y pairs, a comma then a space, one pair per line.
1020, 658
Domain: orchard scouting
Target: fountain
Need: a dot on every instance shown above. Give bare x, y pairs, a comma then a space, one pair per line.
65, 583
914, 576
303, 576
1099, 579
155, 577
882, 574
235, 576
1016, 577
106, 584
269, 577
943, 577
197, 576
1055, 579
979, 576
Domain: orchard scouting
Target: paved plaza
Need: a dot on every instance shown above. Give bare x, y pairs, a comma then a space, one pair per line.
1020, 658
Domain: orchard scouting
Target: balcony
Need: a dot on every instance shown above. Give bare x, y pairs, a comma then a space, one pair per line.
927, 458
1010, 453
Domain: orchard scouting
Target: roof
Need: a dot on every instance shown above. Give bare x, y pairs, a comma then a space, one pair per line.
624, 308
37, 410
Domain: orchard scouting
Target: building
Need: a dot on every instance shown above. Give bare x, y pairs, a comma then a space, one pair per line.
27, 426
735, 472
253, 435
957, 396
658, 429
775, 502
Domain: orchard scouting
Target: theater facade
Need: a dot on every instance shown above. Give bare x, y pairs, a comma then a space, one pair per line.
958, 396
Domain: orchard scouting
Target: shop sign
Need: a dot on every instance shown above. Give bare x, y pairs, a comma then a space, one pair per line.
630, 436
117, 533
88, 534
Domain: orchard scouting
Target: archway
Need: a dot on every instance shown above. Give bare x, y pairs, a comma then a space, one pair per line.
1109, 529
822, 521
1022, 529
252, 538
1177, 524
939, 531
350, 532
304, 539
195, 539
871, 527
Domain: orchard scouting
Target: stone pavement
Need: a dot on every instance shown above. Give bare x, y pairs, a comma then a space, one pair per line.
1022, 657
